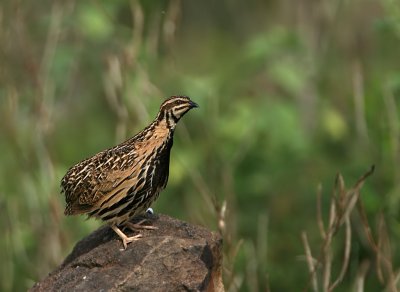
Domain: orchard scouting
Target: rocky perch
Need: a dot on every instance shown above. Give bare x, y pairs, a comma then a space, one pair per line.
177, 256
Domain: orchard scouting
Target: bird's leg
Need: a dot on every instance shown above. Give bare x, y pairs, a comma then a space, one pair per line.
125, 239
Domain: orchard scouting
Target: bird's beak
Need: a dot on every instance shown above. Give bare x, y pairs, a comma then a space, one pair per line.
193, 104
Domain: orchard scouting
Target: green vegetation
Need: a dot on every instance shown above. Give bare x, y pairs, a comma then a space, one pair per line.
290, 93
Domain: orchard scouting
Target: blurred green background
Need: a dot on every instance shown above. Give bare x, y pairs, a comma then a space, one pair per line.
290, 93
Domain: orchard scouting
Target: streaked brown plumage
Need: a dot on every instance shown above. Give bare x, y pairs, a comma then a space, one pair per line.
120, 183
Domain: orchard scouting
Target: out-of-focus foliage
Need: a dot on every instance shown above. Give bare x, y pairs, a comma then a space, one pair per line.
290, 92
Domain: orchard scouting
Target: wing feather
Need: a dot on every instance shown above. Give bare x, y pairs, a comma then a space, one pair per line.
92, 180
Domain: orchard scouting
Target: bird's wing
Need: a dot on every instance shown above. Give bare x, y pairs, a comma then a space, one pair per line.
135, 183
97, 178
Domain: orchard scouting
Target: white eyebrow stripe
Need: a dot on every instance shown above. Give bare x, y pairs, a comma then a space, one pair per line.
172, 100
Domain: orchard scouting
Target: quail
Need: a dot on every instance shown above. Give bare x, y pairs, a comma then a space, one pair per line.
122, 182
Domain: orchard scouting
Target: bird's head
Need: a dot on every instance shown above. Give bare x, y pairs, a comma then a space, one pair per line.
175, 107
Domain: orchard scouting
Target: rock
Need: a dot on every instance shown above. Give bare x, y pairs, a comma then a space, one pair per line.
175, 257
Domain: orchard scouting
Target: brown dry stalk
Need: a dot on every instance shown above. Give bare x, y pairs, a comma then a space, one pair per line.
346, 255
310, 261
360, 277
342, 204
319, 212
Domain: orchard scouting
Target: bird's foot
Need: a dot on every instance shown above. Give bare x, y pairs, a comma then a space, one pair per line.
137, 226
125, 239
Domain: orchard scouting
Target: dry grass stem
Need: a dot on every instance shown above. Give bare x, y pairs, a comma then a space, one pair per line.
221, 218
359, 100
342, 204
386, 253
346, 255
319, 212
360, 277
310, 261
326, 248
235, 281
172, 17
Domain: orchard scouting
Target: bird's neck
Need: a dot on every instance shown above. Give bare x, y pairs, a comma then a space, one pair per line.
166, 119
158, 130
163, 127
